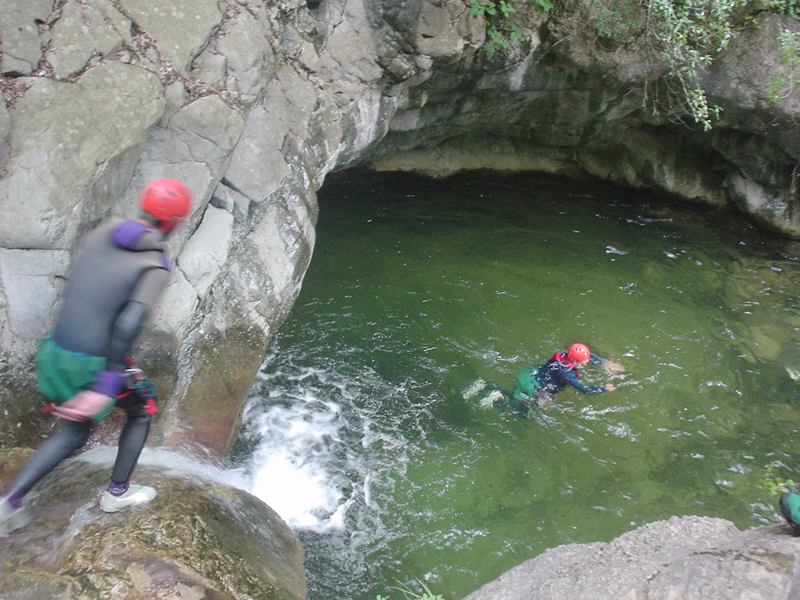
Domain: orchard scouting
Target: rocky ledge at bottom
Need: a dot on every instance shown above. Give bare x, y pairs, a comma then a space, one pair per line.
686, 558
197, 540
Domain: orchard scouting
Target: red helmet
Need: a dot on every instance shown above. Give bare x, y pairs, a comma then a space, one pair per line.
166, 200
578, 353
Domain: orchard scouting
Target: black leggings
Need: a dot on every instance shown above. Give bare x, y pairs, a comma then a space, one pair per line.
72, 436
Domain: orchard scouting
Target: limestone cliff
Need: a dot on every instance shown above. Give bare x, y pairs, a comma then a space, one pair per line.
252, 103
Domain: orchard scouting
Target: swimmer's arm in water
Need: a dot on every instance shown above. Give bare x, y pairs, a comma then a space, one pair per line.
571, 377
609, 366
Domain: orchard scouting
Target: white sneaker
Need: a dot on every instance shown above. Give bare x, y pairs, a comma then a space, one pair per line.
486, 403
490, 399
12, 518
473, 389
136, 494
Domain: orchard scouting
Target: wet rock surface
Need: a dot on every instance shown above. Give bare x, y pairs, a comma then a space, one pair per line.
197, 539
691, 558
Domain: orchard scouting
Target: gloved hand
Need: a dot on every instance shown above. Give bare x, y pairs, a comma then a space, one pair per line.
83, 406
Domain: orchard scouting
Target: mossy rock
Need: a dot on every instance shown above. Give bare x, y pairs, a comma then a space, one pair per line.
197, 539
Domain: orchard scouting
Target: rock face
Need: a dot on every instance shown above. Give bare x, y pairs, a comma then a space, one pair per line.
197, 539
252, 103
688, 558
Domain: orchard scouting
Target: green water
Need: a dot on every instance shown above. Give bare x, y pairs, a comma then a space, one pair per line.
417, 287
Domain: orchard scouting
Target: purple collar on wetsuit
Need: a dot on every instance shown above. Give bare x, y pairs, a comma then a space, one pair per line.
128, 234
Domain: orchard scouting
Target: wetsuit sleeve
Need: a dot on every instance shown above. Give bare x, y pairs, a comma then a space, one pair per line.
131, 319
596, 360
572, 378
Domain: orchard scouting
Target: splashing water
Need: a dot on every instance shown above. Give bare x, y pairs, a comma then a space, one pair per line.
299, 471
170, 462
303, 423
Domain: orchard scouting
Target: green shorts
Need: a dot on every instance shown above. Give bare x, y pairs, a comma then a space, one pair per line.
60, 373
527, 384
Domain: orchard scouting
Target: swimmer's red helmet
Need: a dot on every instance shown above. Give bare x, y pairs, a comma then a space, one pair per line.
578, 353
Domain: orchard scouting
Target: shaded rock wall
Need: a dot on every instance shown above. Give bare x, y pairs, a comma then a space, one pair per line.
252, 102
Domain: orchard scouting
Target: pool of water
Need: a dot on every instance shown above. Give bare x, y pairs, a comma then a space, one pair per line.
357, 432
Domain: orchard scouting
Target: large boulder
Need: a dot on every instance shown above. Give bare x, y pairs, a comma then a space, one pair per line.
92, 132
198, 539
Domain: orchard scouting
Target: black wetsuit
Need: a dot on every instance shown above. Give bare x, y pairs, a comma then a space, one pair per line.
535, 386
560, 372
115, 280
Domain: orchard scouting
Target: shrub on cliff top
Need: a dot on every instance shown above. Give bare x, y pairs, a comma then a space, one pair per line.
687, 35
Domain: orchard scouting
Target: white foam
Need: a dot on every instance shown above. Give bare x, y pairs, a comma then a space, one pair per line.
172, 462
299, 493
300, 465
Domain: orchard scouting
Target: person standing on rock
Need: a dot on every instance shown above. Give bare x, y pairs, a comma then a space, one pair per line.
536, 387
115, 281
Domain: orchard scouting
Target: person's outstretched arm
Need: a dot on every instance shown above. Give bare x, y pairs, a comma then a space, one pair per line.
571, 377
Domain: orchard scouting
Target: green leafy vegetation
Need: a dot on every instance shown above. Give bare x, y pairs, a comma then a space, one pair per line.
692, 33
784, 84
775, 485
687, 35
784, 7
499, 31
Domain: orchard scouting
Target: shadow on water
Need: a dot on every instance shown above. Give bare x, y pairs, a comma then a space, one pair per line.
357, 433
